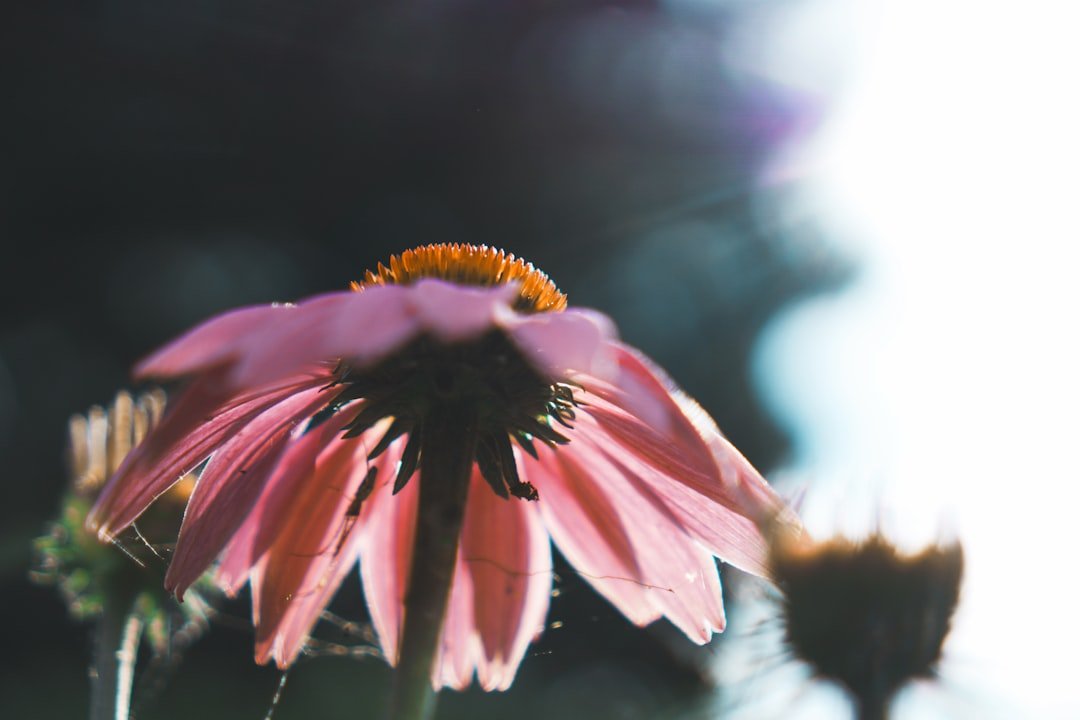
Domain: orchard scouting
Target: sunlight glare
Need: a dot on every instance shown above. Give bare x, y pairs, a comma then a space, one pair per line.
939, 391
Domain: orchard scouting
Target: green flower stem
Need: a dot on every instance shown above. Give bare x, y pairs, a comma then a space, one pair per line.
448, 447
116, 647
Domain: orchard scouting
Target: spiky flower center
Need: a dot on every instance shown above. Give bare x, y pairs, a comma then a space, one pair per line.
486, 378
470, 265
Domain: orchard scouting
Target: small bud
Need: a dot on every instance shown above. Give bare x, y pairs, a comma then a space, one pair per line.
81, 567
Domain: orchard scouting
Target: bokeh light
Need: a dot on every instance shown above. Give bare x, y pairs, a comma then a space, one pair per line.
936, 396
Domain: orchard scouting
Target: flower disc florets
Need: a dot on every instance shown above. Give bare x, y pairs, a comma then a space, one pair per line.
465, 264
506, 395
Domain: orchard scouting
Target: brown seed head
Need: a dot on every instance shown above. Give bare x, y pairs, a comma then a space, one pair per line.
866, 615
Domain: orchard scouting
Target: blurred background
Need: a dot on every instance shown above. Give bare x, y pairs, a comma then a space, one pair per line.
847, 227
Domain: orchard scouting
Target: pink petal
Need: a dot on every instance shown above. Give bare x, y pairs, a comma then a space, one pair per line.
500, 592
693, 599
359, 327
723, 521
589, 531
508, 557
257, 534
453, 312
672, 429
230, 484
385, 558
741, 480
642, 390
315, 549
194, 426
675, 577
564, 344
214, 342
459, 643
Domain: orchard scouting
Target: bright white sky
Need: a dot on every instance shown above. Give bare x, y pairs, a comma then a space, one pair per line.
940, 393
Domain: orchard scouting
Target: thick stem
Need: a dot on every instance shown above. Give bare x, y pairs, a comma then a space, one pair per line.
116, 647
448, 447
872, 709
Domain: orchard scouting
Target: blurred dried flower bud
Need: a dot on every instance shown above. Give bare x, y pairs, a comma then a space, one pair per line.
864, 614
82, 567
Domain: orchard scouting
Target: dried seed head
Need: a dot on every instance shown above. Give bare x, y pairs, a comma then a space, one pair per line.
865, 615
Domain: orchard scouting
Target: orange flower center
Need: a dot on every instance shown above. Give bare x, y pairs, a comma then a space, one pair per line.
470, 265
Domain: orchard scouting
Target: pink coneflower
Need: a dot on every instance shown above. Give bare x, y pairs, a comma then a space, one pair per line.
440, 424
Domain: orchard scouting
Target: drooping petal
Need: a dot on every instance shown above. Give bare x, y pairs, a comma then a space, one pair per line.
230, 484
193, 427
358, 327
386, 546
671, 431
682, 578
314, 550
645, 392
756, 498
216, 341
270, 513
507, 555
240, 556
589, 532
459, 644
564, 344
661, 572
720, 520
